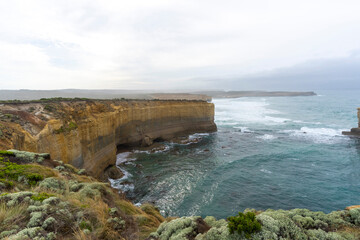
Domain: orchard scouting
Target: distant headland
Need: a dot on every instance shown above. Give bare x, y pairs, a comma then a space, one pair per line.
24, 94
237, 94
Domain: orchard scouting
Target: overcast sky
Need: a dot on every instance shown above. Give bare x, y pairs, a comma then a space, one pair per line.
195, 44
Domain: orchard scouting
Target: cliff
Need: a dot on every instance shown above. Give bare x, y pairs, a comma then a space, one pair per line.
354, 131
86, 133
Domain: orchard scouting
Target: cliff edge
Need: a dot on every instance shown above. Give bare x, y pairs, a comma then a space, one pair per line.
86, 133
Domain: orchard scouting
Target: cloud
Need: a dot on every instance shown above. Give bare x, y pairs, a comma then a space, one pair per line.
166, 44
320, 74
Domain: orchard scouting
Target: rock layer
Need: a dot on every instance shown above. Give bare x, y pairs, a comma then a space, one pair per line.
86, 133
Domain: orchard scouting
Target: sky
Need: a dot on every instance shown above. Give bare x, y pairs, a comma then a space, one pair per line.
185, 44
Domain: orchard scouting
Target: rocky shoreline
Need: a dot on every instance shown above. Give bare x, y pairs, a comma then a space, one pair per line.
42, 197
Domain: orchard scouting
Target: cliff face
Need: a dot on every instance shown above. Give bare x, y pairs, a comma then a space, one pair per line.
86, 133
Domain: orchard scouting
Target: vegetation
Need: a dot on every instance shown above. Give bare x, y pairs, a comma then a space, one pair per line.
12, 171
6, 153
61, 99
42, 202
65, 205
43, 100
244, 224
296, 224
66, 128
49, 108
41, 196
28, 157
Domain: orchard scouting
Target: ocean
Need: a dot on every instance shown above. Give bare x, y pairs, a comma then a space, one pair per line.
278, 153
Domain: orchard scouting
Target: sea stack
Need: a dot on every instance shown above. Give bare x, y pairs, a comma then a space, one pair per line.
354, 131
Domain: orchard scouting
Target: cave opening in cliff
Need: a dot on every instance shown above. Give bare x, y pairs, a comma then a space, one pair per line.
123, 148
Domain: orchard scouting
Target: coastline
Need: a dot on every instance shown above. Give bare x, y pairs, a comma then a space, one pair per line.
87, 133
67, 203
294, 223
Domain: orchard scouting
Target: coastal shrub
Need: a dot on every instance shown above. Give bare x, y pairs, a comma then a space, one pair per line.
75, 186
85, 225
36, 219
47, 217
5, 184
30, 157
72, 126
244, 224
70, 168
60, 168
66, 128
93, 190
7, 153
27, 233
41, 196
49, 223
354, 215
34, 178
53, 184
113, 211
59, 130
12, 199
7, 233
20, 173
116, 223
305, 222
178, 228
49, 108
10, 170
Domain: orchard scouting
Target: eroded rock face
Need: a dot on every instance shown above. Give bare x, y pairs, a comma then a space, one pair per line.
86, 133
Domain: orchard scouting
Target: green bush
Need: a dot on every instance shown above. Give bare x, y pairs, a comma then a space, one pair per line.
49, 108
7, 153
85, 225
66, 128
244, 224
16, 172
34, 178
41, 196
72, 126
7, 184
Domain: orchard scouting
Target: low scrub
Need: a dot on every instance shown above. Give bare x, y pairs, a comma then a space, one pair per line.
40, 202
244, 224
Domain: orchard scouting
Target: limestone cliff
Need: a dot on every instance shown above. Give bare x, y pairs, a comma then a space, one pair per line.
355, 131
86, 133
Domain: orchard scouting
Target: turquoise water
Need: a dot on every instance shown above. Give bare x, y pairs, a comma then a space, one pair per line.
278, 153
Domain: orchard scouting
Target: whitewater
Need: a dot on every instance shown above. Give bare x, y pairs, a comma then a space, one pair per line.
279, 153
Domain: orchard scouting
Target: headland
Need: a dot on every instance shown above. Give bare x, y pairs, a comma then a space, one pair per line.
86, 133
